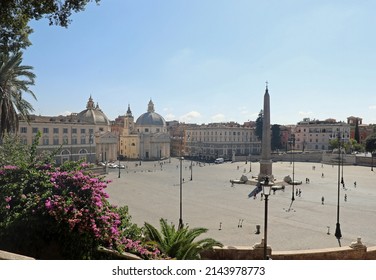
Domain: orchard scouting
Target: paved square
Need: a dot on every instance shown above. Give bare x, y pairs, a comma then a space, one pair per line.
152, 192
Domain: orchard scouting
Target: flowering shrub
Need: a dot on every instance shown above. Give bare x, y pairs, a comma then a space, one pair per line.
64, 211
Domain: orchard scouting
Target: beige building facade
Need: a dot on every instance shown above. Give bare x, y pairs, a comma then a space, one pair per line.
314, 135
226, 140
83, 136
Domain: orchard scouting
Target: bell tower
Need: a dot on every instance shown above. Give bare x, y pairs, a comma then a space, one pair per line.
128, 122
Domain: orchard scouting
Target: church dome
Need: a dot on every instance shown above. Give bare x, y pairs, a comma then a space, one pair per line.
93, 115
150, 118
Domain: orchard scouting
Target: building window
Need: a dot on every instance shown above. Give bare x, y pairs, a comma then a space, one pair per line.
65, 130
74, 130
83, 130
74, 141
146, 129
35, 130
56, 141
83, 140
46, 141
45, 130
23, 129
91, 131
56, 130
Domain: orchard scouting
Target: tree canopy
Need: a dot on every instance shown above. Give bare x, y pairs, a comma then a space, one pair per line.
15, 16
276, 137
371, 143
259, 125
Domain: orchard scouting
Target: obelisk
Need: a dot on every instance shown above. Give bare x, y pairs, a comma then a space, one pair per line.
266, 145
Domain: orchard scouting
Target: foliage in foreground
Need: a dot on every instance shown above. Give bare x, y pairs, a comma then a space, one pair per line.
179, 243
62, 212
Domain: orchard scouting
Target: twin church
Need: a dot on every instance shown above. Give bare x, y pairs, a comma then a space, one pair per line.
91, 136
147, 138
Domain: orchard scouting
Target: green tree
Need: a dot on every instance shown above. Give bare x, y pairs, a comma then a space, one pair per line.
259, 125
179, 244
276, 137
371, 146
371, 143
15, 16
356, 133
15, 79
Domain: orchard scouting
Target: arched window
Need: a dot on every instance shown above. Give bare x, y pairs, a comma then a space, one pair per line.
83, 154
64, 155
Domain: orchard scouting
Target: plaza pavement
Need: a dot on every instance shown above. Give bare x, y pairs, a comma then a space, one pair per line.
152, 192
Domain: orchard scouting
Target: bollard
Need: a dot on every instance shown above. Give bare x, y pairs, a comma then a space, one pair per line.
257, 229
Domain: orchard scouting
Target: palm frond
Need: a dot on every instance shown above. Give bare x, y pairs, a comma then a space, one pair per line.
179, 243
15, 79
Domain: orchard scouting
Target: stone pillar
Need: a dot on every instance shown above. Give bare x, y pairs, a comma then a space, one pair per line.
259, 250
361, 249
265, 161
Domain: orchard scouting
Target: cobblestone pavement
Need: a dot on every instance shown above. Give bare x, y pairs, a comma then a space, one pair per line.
152, 191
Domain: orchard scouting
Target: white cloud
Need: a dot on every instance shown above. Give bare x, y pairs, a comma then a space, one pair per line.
218, 118
170, 117
373, 107
66, 113
190, 117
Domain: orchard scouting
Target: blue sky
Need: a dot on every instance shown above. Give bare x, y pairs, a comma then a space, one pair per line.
204, 61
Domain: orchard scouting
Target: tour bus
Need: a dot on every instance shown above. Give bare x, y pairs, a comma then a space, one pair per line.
219, 160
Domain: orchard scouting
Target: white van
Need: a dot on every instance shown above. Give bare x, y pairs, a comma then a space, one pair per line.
219, 160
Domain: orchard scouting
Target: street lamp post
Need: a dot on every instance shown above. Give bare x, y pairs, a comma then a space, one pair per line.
191, 169
91, 138
292, 144
342, 158
266, 189
119, 167
338, 233
190, 154
250, 151
181, 194
372, 161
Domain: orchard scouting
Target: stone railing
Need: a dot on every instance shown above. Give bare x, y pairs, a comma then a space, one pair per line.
356, 251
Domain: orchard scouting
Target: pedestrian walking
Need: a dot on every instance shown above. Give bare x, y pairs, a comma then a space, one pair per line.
355, 184
345, 197
322, 200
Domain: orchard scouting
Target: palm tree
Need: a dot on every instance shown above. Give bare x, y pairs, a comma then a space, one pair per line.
179, 244
15, 80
